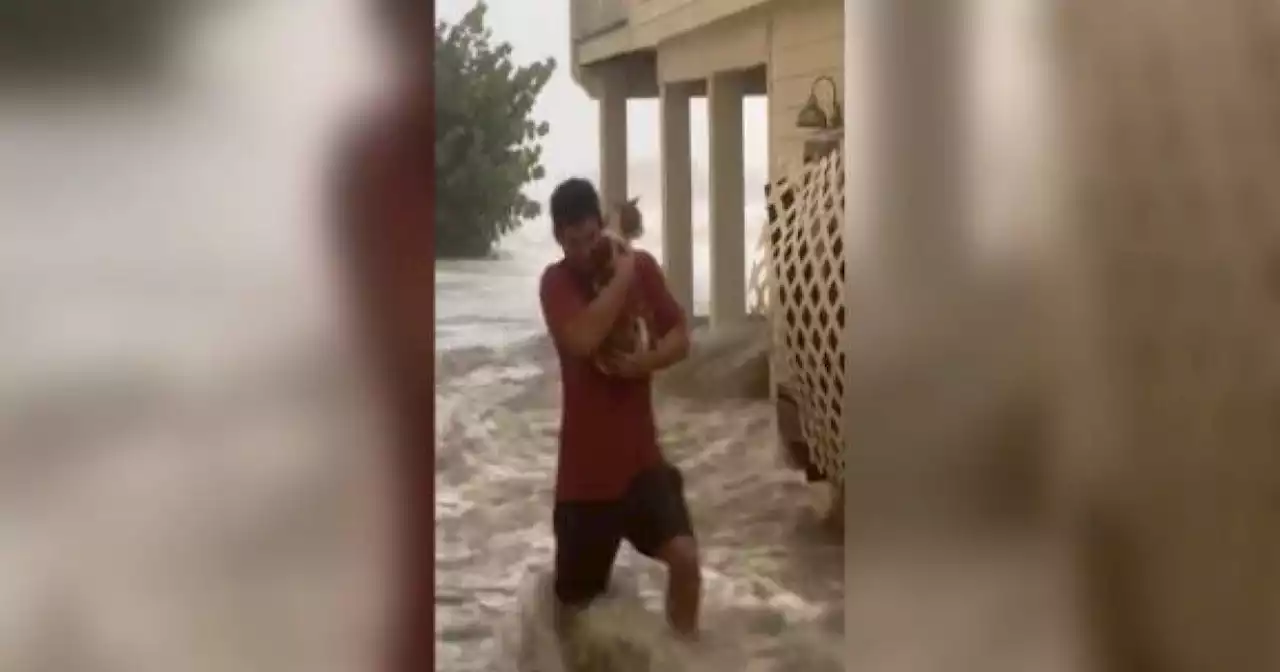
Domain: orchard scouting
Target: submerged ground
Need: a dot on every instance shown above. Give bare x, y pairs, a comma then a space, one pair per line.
773, 576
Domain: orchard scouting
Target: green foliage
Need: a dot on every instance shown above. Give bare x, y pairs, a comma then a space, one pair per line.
487, 145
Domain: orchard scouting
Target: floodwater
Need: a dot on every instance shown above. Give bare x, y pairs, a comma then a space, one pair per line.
773, 576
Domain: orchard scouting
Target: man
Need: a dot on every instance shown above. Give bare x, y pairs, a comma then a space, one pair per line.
384, 203
612, 482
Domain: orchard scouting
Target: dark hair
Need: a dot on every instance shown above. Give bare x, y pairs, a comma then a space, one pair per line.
574, 201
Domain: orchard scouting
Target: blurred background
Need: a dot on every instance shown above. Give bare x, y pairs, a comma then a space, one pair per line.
186, 470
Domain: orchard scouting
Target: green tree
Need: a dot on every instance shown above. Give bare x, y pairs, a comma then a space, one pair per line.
487, 144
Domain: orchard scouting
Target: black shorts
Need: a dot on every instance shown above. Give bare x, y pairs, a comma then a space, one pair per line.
650, 513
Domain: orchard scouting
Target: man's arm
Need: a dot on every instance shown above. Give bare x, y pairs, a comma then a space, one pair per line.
670, 325
577, 326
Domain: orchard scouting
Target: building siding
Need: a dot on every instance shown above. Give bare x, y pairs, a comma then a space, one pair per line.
798, 40
736, 43
806, 42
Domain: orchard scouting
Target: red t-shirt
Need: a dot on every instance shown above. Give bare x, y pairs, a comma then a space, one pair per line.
607, 431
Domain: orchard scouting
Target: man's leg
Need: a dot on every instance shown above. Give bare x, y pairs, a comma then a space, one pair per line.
587, 538
658, 525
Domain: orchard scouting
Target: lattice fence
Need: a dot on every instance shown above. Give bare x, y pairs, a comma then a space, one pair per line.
760, 282
806, 274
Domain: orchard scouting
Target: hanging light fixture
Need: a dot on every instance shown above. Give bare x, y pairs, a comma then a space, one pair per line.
812, 116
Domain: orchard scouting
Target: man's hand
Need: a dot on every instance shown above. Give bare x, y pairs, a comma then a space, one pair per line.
624, 266
578, 326
670, 349
633, 366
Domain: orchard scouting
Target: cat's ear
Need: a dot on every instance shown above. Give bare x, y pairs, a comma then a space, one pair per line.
633, 201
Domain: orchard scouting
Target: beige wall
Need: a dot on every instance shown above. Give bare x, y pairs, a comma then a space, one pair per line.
806, 41
736, 43
799, 40
651, 22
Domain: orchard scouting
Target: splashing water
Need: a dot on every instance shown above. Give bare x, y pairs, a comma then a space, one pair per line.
772, 591
620, 632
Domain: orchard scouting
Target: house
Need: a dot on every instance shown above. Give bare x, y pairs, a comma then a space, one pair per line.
675, 50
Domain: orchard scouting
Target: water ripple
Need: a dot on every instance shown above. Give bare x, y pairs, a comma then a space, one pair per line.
773, 585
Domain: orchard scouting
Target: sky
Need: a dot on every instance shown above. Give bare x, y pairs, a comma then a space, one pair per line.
538, 29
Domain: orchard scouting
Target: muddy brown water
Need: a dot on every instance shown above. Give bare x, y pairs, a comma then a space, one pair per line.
773, 579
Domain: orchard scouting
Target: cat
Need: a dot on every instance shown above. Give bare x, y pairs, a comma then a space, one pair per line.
631, 333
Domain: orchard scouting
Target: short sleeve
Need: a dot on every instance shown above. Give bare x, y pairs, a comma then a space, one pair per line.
561, 300
667, 313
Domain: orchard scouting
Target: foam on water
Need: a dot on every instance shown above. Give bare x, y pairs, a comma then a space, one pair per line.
772, 592
622, 632
618, 628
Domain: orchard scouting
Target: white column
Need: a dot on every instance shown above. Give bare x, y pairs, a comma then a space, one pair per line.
728, 244
613, 138
677, 194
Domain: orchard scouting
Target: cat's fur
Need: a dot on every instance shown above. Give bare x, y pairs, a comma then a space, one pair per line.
631, 333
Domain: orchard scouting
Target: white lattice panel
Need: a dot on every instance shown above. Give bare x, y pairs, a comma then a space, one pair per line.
760, 282
806, 253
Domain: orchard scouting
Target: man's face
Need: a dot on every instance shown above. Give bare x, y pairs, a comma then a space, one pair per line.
578, 240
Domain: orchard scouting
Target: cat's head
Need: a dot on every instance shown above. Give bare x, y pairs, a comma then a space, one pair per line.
608, 245
626, 220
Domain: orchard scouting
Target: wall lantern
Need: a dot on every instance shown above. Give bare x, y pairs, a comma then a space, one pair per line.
812, 116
